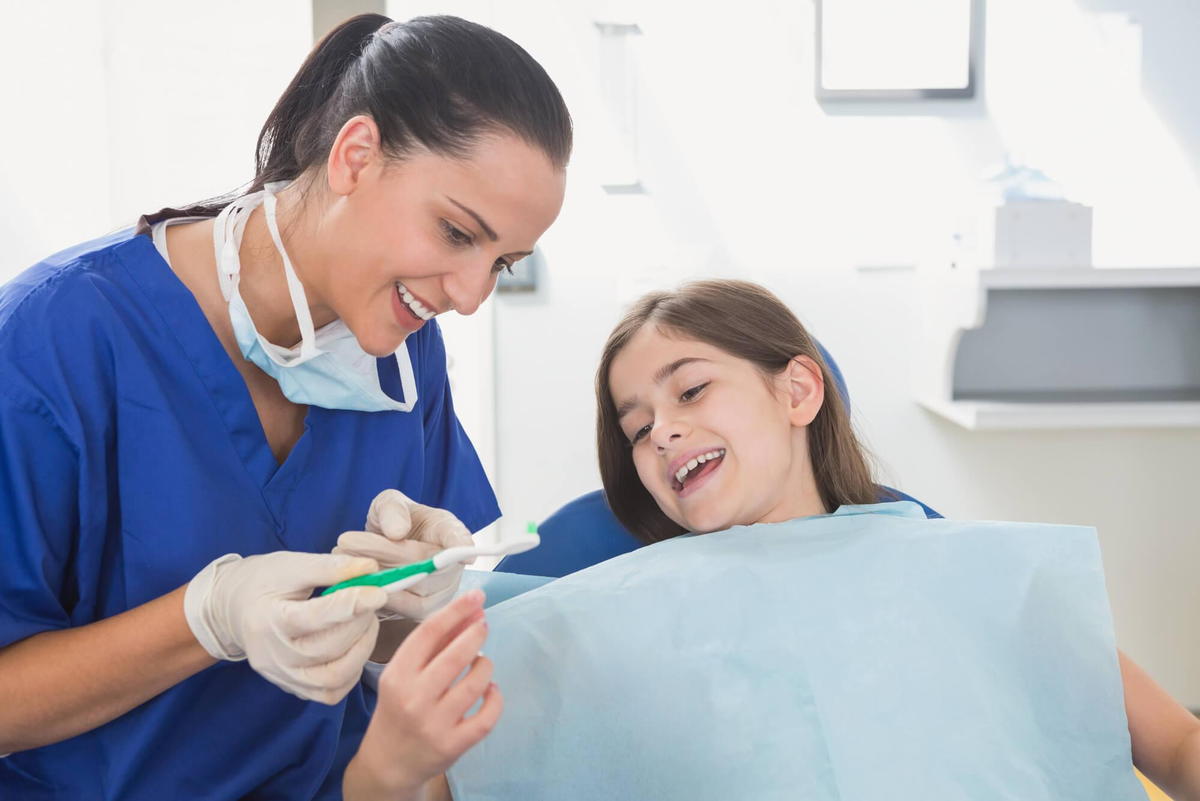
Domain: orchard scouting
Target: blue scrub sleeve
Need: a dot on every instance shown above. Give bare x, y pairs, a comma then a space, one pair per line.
39, 512
454, 478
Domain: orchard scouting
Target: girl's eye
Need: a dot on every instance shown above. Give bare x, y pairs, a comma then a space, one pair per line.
639, 435
502, 265
455, 236
693, 393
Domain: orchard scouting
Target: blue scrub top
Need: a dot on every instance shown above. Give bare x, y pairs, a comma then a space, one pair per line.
131, 455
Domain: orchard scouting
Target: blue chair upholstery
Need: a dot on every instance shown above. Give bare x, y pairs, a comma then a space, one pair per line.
584, 532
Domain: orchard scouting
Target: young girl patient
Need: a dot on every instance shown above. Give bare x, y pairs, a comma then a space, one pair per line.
852, 649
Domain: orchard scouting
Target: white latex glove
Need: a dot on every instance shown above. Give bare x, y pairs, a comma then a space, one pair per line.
401, 531
258, 608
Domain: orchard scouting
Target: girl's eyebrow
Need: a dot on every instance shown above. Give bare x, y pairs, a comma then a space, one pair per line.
661, 375
667, 370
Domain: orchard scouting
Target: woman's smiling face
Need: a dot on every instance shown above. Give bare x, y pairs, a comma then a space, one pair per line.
407, 240
714, 441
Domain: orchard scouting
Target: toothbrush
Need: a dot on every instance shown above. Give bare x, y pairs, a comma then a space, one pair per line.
399, 578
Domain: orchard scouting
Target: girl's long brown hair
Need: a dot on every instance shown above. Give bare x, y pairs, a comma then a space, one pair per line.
747, 321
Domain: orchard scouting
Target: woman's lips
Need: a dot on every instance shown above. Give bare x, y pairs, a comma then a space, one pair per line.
404, 315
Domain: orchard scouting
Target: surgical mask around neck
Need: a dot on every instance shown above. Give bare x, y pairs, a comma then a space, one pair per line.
328, 368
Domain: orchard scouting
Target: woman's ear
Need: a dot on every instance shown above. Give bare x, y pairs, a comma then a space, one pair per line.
356, 146
806, 390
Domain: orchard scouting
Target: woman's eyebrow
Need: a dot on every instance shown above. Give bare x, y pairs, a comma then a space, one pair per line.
487, 229
661, 375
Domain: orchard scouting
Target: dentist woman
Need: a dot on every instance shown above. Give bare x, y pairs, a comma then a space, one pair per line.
193, 411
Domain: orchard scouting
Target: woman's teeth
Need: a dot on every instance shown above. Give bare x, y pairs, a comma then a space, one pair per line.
692, 464
412, 303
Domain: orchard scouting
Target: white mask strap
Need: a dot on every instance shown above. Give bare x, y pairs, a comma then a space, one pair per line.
228, 228
308, 335
408, 381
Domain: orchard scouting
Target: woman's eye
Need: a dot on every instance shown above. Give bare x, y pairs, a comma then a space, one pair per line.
456, 236
639, 435
693, 393
502, 265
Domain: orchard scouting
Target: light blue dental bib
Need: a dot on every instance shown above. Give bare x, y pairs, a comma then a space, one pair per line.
870, 654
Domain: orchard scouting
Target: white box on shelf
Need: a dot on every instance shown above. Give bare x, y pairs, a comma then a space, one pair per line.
1038, 233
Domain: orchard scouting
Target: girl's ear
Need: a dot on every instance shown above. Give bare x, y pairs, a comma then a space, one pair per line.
806, 390
356, 146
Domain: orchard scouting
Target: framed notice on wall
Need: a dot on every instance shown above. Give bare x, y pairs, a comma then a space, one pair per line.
895, 49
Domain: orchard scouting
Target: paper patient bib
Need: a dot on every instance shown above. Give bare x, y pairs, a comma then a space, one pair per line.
870, 654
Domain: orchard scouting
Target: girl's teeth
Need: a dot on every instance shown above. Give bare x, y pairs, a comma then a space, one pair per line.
694, 463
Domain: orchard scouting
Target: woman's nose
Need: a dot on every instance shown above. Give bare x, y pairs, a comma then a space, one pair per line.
469, 288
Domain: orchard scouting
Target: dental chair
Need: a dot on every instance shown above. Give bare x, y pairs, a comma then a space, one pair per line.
585, 532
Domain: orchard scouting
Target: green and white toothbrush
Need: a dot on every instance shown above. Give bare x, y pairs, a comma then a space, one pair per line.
398, 578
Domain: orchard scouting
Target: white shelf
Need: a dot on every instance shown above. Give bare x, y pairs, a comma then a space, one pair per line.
1006, 349
998, 416
1089, 277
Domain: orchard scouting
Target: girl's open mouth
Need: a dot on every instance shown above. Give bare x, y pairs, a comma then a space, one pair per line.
690, 476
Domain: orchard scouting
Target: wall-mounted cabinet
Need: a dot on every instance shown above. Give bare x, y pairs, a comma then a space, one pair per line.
1061, 348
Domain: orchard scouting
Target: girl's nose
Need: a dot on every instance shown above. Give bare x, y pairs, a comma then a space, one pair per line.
668, 431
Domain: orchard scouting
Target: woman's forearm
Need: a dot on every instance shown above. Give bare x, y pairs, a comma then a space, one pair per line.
58, 684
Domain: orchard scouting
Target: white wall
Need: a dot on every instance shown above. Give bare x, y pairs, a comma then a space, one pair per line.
54, 175
119, 107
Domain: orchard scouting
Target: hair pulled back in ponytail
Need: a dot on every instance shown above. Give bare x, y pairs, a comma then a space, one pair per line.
440, 83
303, 106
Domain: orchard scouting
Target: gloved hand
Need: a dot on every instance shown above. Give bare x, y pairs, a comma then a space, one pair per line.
258, 608
400, 532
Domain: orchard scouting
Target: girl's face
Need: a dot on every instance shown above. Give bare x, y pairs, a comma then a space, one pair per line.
404, 241
715, 443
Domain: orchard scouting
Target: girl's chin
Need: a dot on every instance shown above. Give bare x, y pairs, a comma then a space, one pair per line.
717, 520
706, 524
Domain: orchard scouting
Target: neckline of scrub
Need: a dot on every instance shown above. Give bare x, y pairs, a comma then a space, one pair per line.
182, 316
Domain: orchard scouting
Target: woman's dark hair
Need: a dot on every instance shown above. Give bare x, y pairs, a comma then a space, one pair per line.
747, 321
439, 83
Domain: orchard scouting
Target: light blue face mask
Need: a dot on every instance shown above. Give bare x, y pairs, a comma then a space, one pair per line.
329, 368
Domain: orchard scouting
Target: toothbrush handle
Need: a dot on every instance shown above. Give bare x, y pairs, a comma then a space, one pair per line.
405, 583
385, 577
